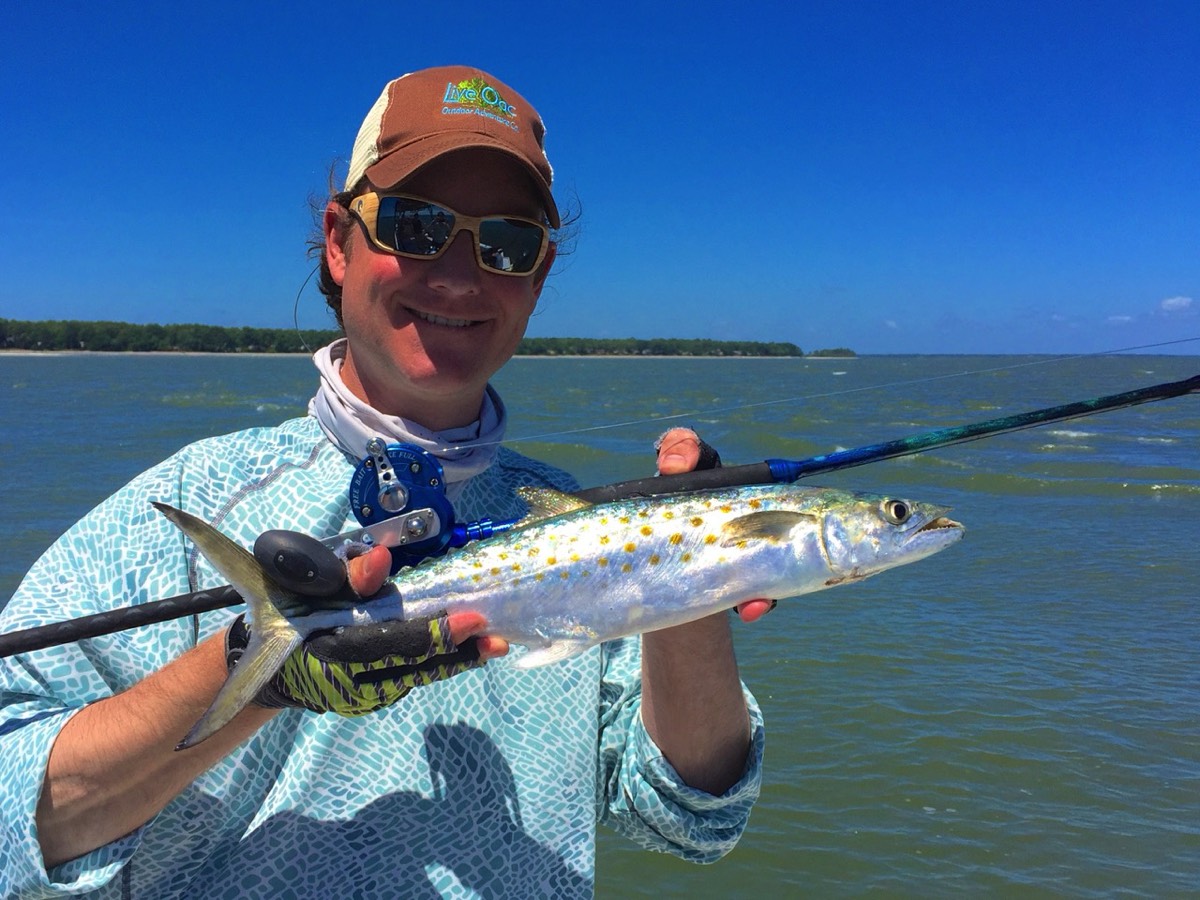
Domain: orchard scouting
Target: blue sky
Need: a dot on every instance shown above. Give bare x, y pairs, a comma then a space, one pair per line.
892, 177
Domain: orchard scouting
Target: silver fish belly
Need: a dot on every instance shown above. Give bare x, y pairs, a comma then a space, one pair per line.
577, 574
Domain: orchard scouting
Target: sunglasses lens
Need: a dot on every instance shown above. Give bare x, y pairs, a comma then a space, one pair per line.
411, 226
419, 228
510, 245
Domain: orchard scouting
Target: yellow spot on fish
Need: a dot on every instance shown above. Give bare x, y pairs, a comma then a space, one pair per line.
477, 578
604, 539
726, 508
697, 521
654, 559
687, 557
643, 514
602, 561
564, 574
574, 557
647, 530
533, 551
539, 576
551, 560
676, 539
624, 520
503, 555
516, 567
495, 571
630, 547
710, 539
627, 568
755, 504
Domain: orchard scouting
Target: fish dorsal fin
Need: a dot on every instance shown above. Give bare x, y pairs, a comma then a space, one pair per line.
545, 503
771, 525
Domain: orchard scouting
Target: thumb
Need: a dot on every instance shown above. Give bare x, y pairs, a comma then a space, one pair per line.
369, 571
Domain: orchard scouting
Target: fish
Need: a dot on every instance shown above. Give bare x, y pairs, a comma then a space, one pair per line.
572, 574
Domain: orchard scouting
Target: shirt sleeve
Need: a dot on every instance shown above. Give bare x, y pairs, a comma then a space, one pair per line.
642, 796
40, 691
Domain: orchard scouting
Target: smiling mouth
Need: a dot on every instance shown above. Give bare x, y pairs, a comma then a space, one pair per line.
441, 320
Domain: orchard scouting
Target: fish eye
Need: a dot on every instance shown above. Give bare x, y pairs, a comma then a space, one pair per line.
897, 512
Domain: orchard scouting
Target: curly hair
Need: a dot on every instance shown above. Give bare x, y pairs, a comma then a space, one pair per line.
317, 250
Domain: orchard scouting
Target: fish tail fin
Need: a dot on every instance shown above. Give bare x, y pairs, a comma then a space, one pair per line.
265, 653
272, 636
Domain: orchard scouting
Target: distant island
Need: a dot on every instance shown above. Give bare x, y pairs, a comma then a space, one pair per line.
125, 337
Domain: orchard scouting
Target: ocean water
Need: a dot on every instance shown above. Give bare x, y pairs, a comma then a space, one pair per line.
1019, 715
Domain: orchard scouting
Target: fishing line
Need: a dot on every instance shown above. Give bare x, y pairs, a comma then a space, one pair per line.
296, 310
694, 414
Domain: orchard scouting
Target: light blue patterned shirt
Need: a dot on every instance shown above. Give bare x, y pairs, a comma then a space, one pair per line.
489, 784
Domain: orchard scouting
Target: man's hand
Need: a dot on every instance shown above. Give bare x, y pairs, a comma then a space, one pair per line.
369, 571
357, 670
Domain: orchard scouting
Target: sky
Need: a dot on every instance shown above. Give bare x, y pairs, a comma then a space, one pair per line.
905, 177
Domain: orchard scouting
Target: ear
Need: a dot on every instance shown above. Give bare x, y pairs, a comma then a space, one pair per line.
335, 223
539, 279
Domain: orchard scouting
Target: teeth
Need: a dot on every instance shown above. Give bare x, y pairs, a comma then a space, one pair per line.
441, 320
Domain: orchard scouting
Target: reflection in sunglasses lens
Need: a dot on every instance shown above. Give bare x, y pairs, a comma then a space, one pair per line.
422, 229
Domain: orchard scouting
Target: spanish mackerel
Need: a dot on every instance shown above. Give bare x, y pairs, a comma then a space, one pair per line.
572, 574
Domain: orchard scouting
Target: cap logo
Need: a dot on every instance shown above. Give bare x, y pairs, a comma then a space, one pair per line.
476, 97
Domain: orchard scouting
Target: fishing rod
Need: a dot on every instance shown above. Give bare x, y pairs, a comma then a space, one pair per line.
783, 470
771, 471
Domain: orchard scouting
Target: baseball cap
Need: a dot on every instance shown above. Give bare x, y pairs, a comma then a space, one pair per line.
424, 114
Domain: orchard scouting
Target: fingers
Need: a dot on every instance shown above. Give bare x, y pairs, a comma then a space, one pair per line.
464, 625
491, 647
369, 571
753, 610
678, 451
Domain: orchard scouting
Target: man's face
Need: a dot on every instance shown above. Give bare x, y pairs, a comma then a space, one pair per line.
426, 335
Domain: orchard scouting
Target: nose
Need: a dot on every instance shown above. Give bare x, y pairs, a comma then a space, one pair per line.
456, 271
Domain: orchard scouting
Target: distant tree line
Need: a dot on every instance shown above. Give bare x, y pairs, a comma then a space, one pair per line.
123, 336
833, 351
653, 347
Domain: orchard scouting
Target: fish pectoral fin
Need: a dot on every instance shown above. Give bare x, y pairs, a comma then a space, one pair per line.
771, 525
546, 503
267, 649
555, 651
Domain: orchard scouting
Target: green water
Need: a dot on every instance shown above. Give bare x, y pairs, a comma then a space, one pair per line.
1016, 716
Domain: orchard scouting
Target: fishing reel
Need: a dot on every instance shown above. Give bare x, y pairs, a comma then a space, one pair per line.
398, 495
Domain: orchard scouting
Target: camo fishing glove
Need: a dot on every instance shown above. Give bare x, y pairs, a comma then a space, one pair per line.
352, 670
356, 670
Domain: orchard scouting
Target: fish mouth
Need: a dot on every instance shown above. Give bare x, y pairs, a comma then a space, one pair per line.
433, 319
939, 523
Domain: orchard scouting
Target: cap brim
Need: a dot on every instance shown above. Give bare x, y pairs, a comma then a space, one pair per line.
403, 163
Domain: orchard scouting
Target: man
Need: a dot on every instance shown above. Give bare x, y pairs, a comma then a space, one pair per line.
485, 783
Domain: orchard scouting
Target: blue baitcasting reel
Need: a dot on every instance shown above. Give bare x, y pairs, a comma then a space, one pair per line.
398, 493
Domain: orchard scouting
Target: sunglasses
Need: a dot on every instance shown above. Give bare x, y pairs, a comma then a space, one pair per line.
421, 229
